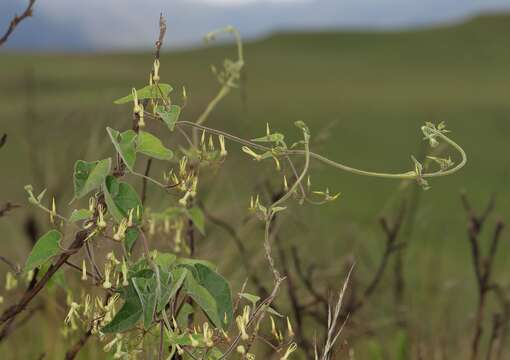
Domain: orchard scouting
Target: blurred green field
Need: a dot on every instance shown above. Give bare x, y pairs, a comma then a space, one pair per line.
374, 90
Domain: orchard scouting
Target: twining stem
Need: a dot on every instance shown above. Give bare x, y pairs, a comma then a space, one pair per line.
278, 202
337, 165
228, 83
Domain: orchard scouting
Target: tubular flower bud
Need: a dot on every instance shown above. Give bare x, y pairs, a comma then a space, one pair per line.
111, 256
86, 307
289, 328
107, 284
130, 218
184, 200
136, 107
119, 354
184, 94
194, 186
242, 328
155, 76
29, 276
225, 335
292, 347
277, 163
100, 221
53, 211
10, 281
120, 234
182, 166
152, 227
110, 345
141, 122
92, 204
274, 332
241, 350
252, 204
124, 273
208, 334
194, 342
223, 150
202, 138
83, 271
252, 153
72, 315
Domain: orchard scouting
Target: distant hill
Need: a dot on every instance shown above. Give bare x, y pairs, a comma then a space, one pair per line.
61, 25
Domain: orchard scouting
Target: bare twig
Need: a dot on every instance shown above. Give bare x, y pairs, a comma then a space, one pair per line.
14, 310
143, 196
162, 32
71, 354
3, 140
16, 20
391, 247
10, 326
333, 322
483, 265
8, 207
15, 268
245, 258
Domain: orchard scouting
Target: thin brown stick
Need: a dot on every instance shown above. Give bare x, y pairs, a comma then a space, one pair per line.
495, 334
3, 140
296, 306
14, 310
77, 268
143, 196
8, 207
162, 32
10, 326
71, 353
161, 338
391, 247
245, 258
16, 20
15, 268
483, 265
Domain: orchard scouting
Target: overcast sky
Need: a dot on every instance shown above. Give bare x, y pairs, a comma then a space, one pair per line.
125, 24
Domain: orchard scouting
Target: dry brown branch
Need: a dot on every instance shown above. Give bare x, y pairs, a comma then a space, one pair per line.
8, 207
334, 329
483, 267
71, 354
143, 195
391, 232
245, 258
14, 310
16, 20
162, 32
3, 140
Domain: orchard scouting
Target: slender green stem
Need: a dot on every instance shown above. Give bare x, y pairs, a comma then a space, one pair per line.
225, 89
337, 165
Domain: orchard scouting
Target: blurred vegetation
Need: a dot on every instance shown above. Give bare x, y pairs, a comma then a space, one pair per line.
368, 92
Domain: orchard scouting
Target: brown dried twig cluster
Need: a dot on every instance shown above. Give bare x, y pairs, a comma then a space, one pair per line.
316, 305
484, 268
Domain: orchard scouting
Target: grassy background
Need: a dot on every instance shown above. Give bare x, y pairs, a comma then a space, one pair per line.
371, 91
